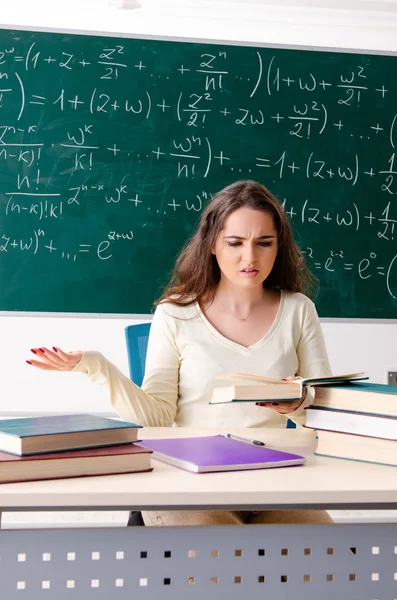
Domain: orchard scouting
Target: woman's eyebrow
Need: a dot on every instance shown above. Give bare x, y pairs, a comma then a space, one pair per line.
239, 237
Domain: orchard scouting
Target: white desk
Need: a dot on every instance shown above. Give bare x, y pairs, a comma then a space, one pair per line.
321, 483
279, 562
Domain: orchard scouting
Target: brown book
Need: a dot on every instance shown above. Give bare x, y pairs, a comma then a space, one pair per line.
125, 458
357, 447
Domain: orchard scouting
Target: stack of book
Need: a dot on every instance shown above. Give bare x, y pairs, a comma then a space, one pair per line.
356, 421
75, 445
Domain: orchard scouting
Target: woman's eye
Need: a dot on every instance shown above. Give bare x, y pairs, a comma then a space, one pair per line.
262, 244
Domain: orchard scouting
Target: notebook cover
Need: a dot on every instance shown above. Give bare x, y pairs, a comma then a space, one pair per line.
86, 452
220, 453
58, 424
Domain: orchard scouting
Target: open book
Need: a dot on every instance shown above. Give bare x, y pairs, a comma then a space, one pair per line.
256, 388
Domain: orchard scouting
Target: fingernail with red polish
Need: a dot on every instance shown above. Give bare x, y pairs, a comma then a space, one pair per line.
274, 403
28, 361
41, 350
55, 349
34, 351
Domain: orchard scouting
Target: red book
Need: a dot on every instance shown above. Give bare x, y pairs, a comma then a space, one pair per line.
125, 458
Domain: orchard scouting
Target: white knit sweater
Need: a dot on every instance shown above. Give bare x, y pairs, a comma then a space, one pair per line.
186, 353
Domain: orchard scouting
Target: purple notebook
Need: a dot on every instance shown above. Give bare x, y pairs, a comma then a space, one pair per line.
218, 453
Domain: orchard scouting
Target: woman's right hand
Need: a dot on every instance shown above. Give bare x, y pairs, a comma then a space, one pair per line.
55, 360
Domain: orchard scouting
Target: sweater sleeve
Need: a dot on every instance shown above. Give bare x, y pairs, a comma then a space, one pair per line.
312, 356
155, 404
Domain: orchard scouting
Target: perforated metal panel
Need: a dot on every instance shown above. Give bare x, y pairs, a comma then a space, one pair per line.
277, 562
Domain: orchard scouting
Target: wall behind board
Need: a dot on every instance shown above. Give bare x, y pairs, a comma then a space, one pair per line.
352, 345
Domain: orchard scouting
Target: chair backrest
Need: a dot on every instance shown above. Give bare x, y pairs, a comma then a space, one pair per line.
137, 337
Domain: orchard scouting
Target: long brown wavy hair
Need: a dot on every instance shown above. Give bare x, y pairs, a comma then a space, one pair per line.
196, 272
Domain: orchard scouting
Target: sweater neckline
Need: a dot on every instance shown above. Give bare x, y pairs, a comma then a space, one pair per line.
245, 349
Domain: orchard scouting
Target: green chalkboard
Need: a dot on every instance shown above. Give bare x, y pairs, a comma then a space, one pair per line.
111, 147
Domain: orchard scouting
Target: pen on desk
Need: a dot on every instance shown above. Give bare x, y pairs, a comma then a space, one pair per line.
246, 440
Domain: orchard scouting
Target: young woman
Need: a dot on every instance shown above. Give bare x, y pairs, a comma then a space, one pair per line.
235, 303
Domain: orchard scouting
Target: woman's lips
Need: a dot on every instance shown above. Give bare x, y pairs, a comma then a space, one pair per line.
250, 274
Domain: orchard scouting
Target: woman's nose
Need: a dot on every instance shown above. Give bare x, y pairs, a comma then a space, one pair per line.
249, 254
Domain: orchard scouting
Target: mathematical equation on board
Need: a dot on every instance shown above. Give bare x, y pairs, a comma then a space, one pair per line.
314, 106
92, 130
39, 241
378, 222
366, 268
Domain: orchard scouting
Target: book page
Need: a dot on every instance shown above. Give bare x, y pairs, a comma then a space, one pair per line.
331, 378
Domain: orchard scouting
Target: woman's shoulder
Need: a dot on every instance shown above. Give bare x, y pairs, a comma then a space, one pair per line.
297, 301
168, 309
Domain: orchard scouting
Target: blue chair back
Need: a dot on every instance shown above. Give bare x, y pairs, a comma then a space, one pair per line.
137, 337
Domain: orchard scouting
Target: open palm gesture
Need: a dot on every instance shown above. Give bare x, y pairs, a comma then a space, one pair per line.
55, 360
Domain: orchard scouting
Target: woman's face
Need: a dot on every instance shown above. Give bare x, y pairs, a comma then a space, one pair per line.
246, 247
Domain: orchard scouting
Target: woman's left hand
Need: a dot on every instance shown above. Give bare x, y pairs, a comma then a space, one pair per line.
284, 408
